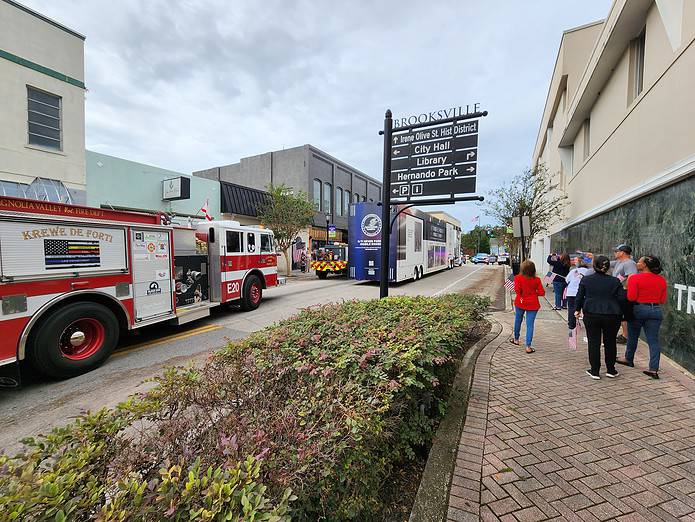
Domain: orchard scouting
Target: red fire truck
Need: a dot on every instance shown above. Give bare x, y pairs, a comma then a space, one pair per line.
74, 278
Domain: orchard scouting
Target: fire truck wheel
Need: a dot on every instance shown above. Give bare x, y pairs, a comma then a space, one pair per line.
73, 340
322, 274
253, 293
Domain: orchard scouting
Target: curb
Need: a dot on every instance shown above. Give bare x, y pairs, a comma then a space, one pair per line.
432, 499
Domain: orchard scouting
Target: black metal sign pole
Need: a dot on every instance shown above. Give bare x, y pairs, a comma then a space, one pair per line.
386, 208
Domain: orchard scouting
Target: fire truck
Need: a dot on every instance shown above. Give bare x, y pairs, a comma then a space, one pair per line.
73, 279
331, 259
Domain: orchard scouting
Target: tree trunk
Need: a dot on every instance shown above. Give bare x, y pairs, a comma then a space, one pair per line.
288, 262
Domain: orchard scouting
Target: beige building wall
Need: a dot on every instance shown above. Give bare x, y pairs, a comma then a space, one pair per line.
636, 145
52, 60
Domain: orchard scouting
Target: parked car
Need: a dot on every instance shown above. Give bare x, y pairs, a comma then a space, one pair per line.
503, 259
491, 259
479, 258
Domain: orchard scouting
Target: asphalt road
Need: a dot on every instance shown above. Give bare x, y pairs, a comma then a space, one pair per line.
42, 404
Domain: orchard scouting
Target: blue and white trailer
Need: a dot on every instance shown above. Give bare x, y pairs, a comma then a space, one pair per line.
420, 244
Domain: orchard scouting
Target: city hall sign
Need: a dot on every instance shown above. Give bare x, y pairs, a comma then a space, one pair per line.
434, 116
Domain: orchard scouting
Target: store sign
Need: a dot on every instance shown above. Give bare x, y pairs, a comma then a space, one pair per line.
332, 232
176, 188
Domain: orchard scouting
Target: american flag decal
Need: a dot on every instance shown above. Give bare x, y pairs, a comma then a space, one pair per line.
70, 253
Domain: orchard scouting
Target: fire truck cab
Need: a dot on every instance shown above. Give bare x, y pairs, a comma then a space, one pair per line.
73, 279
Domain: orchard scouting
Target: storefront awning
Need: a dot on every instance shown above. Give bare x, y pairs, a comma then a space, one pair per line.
240, 200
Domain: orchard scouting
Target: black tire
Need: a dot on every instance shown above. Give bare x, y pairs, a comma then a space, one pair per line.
322, 274
252, 293
49, 347
422, 272
416, 275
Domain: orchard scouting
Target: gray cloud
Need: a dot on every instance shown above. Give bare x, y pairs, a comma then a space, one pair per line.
192, 84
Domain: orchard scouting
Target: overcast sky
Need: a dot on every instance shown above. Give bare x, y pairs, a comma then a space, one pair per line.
187, 85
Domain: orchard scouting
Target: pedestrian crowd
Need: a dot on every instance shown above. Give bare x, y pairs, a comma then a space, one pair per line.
616, 300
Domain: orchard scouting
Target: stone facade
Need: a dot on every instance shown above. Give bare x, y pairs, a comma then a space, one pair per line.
660, 224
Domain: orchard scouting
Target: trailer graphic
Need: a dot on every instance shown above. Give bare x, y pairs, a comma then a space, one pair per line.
420, 244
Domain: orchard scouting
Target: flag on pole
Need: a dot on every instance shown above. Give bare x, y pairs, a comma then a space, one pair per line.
476, 219
549, 278
574, 335
509, 283
204, 210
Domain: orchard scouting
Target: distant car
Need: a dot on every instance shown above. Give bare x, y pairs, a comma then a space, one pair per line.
491, 259
479, 258
503, 259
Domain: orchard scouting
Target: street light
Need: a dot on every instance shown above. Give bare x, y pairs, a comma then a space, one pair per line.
328, 220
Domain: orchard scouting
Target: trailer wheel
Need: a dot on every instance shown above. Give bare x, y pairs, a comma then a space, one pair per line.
253, 293
416, 274
322, 274
73, 340
422, 272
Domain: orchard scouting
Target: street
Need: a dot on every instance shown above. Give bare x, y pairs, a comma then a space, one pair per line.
43, 404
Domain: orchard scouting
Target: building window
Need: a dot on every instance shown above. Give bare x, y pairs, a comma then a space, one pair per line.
587, 138
637, 66
317, 195
43, 119
327, 195
338, 201
346, 200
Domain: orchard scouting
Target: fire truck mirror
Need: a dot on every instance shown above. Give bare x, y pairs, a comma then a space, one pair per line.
211, 235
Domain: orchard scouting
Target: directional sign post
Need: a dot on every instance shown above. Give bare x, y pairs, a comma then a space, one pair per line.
426, 163
435, 161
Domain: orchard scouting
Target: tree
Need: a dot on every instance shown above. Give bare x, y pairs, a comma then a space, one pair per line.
532, 193
477, 240
286, 214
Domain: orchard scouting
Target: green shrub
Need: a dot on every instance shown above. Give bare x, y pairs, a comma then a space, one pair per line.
323, 405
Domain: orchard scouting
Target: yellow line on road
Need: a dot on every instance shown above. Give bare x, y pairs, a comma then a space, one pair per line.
163, 340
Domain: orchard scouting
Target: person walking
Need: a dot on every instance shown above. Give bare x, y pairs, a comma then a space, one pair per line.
623, 267
561, 265
528, 289
574, 277
601, 298
647, 290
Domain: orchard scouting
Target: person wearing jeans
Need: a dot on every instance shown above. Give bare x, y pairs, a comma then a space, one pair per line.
528, 288
601, 297
561, 266
647, 289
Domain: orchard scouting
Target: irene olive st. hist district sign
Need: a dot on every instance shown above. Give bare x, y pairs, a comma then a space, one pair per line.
434, 161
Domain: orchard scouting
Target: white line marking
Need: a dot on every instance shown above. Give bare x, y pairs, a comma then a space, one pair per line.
457, 282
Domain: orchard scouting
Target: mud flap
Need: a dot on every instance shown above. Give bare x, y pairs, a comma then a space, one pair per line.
10, 376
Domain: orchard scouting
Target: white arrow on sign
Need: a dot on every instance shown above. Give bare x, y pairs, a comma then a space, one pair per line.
396, 152
395, 139
471, 169
394, 191
470, 155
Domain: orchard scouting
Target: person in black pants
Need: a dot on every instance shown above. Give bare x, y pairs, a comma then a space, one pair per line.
602, 299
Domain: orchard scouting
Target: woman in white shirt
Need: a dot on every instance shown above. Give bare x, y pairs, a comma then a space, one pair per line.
573, 278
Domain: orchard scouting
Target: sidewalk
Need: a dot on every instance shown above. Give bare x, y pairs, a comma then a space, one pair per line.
543, 441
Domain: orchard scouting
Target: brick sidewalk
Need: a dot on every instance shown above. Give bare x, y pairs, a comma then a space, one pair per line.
543, 441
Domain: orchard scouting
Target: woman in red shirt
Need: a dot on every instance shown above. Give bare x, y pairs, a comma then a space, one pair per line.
528, 288
647, 289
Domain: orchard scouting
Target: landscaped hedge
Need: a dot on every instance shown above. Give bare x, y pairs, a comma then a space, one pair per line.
305, 419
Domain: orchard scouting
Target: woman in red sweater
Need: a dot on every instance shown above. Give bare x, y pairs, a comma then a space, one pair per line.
647, 289
528, 288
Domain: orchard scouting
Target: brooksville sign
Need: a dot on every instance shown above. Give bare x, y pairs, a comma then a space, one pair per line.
432, 117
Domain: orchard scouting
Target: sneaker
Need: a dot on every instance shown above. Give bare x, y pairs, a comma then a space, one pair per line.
593, 375
621, 339
612, 374
625, 362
